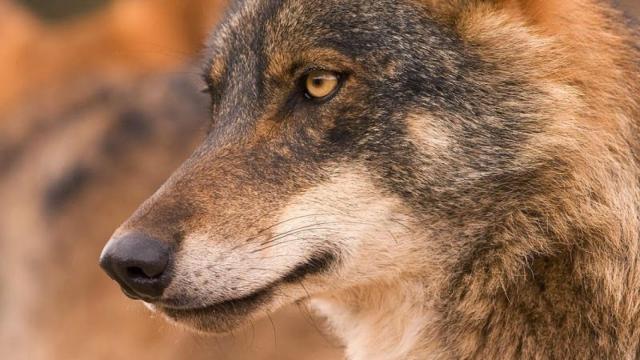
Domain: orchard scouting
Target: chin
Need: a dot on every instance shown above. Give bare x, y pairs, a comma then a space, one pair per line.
210, 324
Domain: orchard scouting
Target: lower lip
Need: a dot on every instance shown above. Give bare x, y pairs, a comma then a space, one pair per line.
232, 307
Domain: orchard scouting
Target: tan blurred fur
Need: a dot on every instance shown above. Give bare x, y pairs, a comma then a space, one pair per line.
132, 36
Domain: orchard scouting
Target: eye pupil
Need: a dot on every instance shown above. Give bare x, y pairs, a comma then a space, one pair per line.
321, 84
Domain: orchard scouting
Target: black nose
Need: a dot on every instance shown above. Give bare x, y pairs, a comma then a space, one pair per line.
139, 263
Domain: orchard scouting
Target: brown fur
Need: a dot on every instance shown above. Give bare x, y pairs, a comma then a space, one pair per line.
586, 225
563, 277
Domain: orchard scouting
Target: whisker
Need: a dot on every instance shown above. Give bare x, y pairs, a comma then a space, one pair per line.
274, 241
280, 240
261, 231
275, 336
277, 237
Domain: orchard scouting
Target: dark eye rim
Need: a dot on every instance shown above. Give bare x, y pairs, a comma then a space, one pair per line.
211, 90
206, 89
319, 100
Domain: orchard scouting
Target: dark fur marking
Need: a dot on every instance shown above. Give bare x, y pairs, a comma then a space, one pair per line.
132, 125
65, 189
317, 264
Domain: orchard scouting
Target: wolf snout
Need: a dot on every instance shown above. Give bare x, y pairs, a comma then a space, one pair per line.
139, 263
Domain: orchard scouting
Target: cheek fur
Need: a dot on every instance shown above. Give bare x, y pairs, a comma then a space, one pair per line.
350, 215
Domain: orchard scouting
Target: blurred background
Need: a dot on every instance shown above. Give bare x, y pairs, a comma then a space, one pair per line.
99, 102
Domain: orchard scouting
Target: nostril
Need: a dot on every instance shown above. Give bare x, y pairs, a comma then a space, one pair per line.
137, 273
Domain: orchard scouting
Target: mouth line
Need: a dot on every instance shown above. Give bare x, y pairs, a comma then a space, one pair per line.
231, 306
244, 304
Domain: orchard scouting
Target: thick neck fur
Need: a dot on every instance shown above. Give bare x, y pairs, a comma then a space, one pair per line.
560, 276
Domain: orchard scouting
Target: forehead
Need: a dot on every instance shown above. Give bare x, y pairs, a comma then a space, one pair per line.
270, 27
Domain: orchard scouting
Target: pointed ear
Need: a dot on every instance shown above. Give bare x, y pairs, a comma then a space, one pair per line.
569, 21
547, 14
553, 15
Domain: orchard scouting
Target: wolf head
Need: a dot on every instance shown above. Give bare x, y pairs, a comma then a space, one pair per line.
350, 143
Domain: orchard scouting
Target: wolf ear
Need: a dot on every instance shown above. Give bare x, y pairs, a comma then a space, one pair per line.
548, 14
552, 16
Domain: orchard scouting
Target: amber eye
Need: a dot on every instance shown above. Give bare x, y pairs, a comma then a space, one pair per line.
321, 84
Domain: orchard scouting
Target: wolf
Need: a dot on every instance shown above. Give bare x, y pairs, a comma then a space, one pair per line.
442, 179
